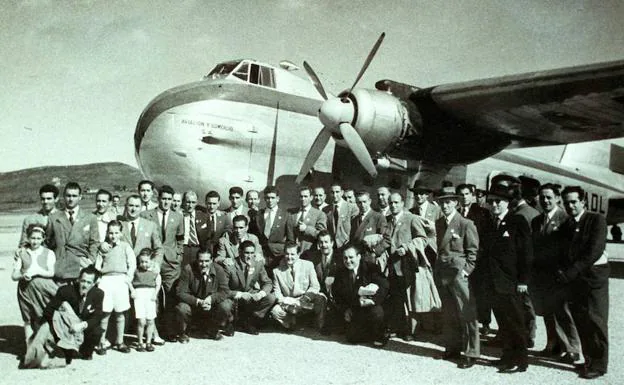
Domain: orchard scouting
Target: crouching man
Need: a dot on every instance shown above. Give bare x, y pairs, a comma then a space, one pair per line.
359, 291
297, 290
204, 297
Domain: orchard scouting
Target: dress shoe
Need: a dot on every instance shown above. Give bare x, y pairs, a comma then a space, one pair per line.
448, 356
170, 338
381, 342
183, 338
501, 362
570, 358
229, 329
123, 348
590, 374
467, 362
513, 368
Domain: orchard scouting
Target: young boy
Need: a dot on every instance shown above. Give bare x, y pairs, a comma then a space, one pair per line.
144, 290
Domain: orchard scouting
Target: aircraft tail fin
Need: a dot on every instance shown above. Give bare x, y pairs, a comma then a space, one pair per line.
616, 159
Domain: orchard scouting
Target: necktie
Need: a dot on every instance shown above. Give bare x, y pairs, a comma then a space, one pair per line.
335, 218
268, 224
498, 222
162, 225
71, 216
421, 211
292, 273
202, 286
214, 222
192, 230
466, 211
81, 303
133, 233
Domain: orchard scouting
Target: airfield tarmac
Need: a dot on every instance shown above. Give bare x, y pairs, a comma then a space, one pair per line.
304, 357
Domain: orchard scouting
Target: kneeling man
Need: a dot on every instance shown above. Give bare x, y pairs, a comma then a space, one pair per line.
204, 297
251, 286
359, 291
297, 290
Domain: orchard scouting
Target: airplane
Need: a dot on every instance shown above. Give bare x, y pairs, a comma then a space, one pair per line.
252, 124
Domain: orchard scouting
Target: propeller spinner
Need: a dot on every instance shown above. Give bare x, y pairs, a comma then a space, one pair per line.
337, 115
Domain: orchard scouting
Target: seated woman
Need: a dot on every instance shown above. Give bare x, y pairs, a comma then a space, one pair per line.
33, 269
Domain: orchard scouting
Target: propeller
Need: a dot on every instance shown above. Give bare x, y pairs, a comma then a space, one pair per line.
336, 114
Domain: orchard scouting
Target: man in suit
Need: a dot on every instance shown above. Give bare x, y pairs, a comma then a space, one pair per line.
86, 300
297, 290
404, 241
195, 224
218, 222
230, 243
171, 227
271, 222
482, 219
357, 301
367, 228
339, 215
204, 297
146, 188
251, 287
423, 207
304, 223
48, 196
506, 260
252, 197
73, 236
140, 232
383, 200
103, 212
547, 294
458, 243
584, 269
236, 203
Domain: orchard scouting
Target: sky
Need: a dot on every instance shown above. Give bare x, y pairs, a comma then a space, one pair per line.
75, 75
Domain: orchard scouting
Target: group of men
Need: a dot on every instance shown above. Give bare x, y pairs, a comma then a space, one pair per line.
364, 270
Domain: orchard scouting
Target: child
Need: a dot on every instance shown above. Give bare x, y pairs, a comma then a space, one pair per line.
144, 290
34, 269
117, 266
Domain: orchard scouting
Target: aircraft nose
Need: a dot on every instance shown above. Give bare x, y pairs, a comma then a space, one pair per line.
335, 111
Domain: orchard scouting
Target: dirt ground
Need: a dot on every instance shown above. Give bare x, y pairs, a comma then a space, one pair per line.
304, 357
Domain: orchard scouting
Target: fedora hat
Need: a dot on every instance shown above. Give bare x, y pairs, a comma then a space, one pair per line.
446, 192
421, 186
503, 191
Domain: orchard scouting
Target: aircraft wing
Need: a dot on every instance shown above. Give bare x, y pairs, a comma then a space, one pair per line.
558, 106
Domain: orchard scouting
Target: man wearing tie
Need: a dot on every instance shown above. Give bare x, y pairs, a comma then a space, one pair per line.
251, 287
73, 236
272, 223
303, 224
195, 224
584, 269
204, 297
297, 290
253, 207
339, 214
230, 243
367, 228
458, 243
383, 197
547, 294
404, 241
141, 233
146, 189
218, 222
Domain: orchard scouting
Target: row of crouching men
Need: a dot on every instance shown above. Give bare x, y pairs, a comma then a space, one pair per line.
344, 266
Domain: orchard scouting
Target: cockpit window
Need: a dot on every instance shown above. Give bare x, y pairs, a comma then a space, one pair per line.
242, 72
222, 70
262, 76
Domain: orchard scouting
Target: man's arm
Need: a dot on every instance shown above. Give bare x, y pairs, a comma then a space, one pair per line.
524, 248
315, 287
319, 224
180, 236
382, 282
593, 249
94, 238
183, 289
263, 278
96, 316
222, 247
276, 287
471, 246
130, 263
156, 243
223, 289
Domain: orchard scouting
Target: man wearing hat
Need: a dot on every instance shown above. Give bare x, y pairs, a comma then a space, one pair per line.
505, 263
458, 243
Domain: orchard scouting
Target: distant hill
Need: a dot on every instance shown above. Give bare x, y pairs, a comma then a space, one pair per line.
19, 189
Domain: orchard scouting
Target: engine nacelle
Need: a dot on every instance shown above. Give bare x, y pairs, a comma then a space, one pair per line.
380, 119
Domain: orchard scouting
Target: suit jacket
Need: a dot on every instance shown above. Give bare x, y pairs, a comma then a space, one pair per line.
75, 246
91, 310
147, 235
305, 280
256, 280
408, 232
253, 222
225, 248
201, 227
507, 254
341, 230
323, 271
346, 293
481, 217
458, 243
315, 221
548, 240
214, 230
372, 223
174, 236
274, 244
432, 213
527, 212
585, 244
190, 283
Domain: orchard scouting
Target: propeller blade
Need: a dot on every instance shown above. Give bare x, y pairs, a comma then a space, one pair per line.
357, 146
315, 79
314, 153
368, 60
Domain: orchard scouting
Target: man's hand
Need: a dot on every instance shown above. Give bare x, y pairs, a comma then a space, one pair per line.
105, 247
348, 314
301, 226
522, 289
366, 302
290, 301
258, 296
245, 296
205, 305
401, 251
